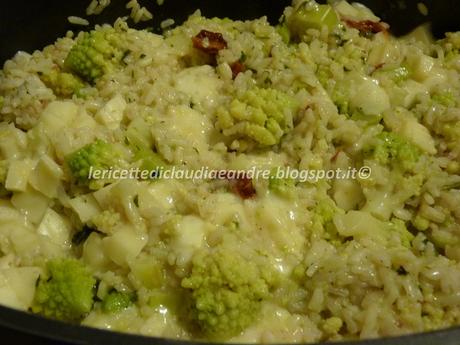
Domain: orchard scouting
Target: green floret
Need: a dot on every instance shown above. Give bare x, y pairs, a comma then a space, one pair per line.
96, 53
116, 301
62, 83
106, 221
447, 99
393, 149
98, 155
310, 15
261, 115
283, 30
400, 74
398, 226
282, 186
226, 292
2, 100
322, 217
68, 292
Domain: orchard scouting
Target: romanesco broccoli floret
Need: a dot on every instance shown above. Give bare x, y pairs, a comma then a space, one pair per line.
98, 155
283, 30
400, 74
322, 216
96, 53
226, 292
282, 186
62, 83
447, 99
398, 226
116, 301
106, 221
395, 150
2, 101
332, 325
261, 115
311, 15
67, 294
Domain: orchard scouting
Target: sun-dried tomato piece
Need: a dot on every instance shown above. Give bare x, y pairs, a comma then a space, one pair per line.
244, 188
240, 183
334, 157
237, 67
209, 42
367, 26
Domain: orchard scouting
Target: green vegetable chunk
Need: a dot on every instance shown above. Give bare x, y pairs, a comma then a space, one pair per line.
68, 292
63, 84
116, 301
310, 15
226, 291
98, 155
282, 186
261, 115
95, 54
395, 150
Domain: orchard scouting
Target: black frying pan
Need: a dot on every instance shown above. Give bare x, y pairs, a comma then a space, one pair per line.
29, 25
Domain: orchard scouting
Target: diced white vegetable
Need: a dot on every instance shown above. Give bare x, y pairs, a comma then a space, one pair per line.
12, 141
360, 225
26, 243
158, 199
419, 135
46, 177
386, 50
83, 120
437, 76
421, 66
56, 228
112, 113
8, 214
223, 208
347, 193
85, 206
17, 286
189, 236
71, 139
412, 90
18, 175
277, 218
380, 205
93, 255
354, 11
104, 196
125, 193
406, 124
190, 231
32, 203
186, 127
369, 98
422, 34
124, 245
58, 115
200, 83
